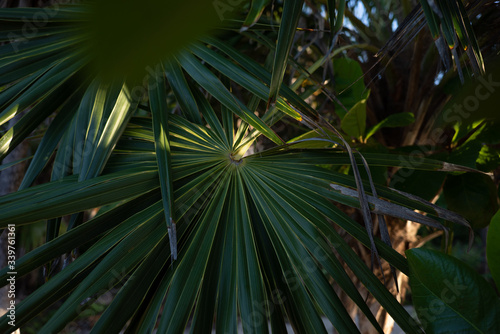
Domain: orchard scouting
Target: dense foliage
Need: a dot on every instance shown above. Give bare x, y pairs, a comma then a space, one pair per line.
219, 164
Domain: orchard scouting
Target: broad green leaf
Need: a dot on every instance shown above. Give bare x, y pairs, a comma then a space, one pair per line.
473, 196
466, 154
410, 181
354, 122
449, 296
392, 121
349, 84
488, 159
493, 247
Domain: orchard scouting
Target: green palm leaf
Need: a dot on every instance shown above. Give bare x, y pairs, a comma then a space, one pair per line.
257, 237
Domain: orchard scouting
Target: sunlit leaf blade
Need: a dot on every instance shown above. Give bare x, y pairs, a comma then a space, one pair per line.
55, 76
22, 128
213, 85
354, 122
104, 132
13, 92
53, 98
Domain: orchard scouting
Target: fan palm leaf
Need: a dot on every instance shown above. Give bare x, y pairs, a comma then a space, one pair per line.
249, 245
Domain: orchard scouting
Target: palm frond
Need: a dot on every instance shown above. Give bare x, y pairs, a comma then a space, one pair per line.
174, 182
